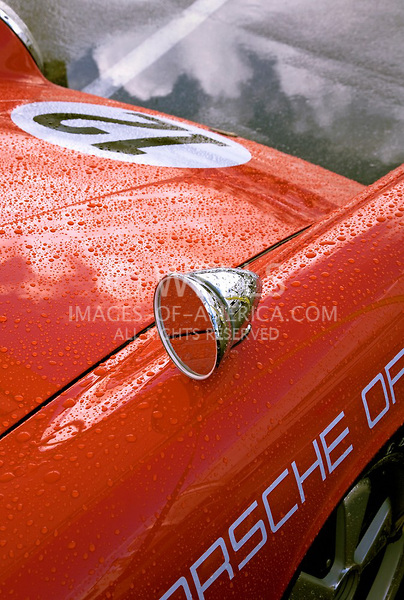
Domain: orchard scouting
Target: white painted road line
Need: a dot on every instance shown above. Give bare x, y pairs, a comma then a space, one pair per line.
153, 48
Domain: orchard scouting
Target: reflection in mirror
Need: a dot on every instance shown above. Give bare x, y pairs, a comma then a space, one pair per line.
187, 327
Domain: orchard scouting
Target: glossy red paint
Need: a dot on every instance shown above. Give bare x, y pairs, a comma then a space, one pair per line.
118, 486
16, 64
98, 234
121, 483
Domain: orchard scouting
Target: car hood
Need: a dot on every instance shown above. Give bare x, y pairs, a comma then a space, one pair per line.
84, 240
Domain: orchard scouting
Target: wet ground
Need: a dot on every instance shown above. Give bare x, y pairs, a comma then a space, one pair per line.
321, 80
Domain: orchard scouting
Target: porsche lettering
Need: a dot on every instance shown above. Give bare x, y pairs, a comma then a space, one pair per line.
334, 442
379, 395
331, 447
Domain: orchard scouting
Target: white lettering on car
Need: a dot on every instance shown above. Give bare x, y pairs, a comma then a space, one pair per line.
394, 380
259, 526
275, 526
225, 566
376, 418
335, 447
329, 448
374, 415
181, 582
317, 464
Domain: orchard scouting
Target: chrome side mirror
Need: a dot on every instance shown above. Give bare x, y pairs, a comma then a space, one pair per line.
202, 314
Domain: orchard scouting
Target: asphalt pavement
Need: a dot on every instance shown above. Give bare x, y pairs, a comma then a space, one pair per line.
321, 80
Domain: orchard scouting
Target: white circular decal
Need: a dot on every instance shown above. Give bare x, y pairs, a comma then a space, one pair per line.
128, 135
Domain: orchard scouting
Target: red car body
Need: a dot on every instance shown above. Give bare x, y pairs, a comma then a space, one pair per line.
119, 476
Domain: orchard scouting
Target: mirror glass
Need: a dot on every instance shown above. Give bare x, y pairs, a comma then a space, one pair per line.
187, 329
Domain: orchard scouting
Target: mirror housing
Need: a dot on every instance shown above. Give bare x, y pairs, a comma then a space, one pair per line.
201, 315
